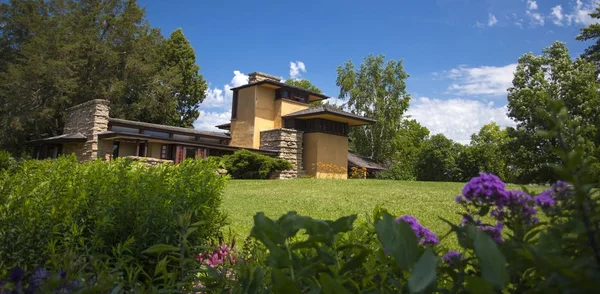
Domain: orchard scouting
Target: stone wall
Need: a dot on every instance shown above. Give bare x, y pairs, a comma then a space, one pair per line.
288, 143
149, 160
255, 77
90, 119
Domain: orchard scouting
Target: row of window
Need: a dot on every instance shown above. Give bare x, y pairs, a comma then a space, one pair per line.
317, 125
180, 137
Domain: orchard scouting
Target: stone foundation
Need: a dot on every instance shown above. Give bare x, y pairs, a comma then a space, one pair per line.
288, 143
90, 119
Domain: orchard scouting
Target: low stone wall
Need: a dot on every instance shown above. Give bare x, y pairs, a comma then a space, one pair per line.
149, 160
288, 143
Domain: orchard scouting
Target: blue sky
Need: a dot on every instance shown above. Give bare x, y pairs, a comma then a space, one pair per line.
460, 54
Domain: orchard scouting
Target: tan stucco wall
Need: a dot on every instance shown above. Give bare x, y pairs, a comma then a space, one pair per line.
325, 149
242, 128
283, 107
154, 150
265, 113
127, 149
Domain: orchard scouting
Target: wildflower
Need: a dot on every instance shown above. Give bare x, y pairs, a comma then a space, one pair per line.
495, 232
425, 236
38, 276
459, 199
484, 188
545, 199
452, 257
17, 274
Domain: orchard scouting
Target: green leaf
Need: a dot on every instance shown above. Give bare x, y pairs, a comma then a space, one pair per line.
398, 239
331, 286
266, 231
477, 285
343, 224
257, 279
424, 272
354, 262
484, 210
161, 248
491, 260
283, 284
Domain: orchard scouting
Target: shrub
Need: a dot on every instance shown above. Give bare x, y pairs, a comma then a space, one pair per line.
7, 162
244, 164
403, 171
53, 209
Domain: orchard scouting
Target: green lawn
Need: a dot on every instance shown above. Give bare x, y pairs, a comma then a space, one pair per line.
330, 199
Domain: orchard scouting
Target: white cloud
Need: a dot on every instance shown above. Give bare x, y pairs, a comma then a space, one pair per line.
457, 118
581, 11
557, 15
208, 120
484, 80
221, 97
492, 20
532, 5
216, 107
297, 69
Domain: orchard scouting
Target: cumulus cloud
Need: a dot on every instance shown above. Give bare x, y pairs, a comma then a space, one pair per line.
457, 118
216, 107
483, 80
535, 18
532, 5
492, 20
581, 11
557, 15
297, 69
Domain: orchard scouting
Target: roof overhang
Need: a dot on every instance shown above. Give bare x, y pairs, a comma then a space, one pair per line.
312, 96
351, 120
226, 126
129, 136
64, 138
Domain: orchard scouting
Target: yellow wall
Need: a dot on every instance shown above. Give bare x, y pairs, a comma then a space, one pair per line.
242, 128
283, 107
325, 149
154, 150
264, 113
127, 149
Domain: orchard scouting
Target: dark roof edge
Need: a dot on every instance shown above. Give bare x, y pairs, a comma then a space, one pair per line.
322, 96
167, 128
328, 111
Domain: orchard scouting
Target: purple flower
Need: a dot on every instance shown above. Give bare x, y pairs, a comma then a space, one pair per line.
452, 257
425, 236
459, 199
495, 232
17, 274
484, 188
545, 200
38, 276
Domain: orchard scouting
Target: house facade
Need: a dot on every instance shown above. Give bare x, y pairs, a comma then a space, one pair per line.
267, 116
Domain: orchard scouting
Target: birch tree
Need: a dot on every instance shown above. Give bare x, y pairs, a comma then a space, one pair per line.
376, 90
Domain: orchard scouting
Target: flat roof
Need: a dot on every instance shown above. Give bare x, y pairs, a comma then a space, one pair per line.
226, 126
283, 85
331, 113
165, 128
64, 138
362, 161
117, 135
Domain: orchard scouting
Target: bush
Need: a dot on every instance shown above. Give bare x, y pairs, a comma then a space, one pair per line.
7, 162
398, 171
244, 164
60, 212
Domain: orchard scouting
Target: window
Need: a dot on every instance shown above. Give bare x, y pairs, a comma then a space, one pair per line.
190, 152
184, 137
234, 105
165, 152
141, 150
119, 129
115, 150
156, 134
321, 125
291, 95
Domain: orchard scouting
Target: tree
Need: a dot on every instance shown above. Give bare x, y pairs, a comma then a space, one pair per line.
376, 90
539, 80
438, 160
406, 155
592, 32
489, 152
188, 85
55, 54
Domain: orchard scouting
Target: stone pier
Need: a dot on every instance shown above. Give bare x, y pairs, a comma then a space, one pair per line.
288, 143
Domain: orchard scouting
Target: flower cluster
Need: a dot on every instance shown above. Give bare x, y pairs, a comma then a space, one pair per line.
425, 236
328, 168
452, 258
36, 280
218, 256
358, 173
548, 199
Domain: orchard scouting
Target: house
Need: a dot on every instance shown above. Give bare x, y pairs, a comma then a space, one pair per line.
267, 116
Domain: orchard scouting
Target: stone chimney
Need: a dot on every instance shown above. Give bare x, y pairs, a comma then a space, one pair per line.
89, 118
256, 77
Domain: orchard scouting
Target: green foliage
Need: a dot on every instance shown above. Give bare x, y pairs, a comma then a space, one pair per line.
53, 211
410, 142
540, 80
376, 90
439, 160
245, 164
7, 162
592, 32
56, 54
